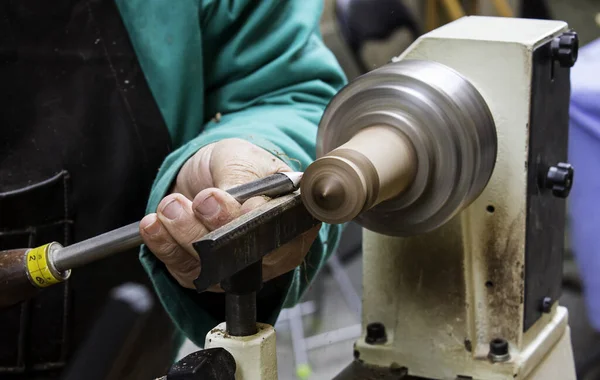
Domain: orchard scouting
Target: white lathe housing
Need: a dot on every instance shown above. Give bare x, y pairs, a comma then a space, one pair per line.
494, 271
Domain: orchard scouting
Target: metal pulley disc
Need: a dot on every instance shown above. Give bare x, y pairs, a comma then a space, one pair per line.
449, 125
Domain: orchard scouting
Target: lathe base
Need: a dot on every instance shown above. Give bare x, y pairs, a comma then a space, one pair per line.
557, 364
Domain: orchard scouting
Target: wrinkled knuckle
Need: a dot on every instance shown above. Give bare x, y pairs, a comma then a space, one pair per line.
242, 169
191, 235
188, 230
168, 253
189, 268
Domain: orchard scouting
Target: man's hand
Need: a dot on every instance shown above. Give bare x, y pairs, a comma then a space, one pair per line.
198, 204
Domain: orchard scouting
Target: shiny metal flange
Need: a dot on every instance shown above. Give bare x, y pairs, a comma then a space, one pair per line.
448, 123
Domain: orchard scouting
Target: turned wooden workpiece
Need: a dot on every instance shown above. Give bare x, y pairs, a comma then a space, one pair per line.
375, 165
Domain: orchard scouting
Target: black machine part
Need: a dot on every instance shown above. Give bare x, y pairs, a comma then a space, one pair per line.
549, 176
210, 364
231, 248
240, 300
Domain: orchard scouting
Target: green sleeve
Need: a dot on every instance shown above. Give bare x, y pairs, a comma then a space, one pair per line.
263, 66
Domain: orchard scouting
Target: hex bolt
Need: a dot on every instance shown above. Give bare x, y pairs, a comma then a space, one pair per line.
560, 179
546, 305
565, 48
376, 333
499, 350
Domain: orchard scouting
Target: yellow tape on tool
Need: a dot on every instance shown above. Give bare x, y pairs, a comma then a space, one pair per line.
38, 267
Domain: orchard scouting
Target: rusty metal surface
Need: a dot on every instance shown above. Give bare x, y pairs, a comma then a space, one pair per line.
250, 237
502, 276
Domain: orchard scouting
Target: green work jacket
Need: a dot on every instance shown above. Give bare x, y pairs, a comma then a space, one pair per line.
261, 65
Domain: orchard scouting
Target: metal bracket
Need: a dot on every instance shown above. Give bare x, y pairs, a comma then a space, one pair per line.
249, 238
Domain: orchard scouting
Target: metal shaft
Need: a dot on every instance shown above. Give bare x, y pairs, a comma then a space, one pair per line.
128, 237
271, 186
240, 314
98, 247
240, 300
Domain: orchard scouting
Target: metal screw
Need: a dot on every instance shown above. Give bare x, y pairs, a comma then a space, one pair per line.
565, 48
546, 305
376, 333
560, 179
499, 350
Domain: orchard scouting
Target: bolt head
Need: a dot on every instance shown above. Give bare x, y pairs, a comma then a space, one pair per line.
560, 179
499, 350
376, 333
565, 49
499, 346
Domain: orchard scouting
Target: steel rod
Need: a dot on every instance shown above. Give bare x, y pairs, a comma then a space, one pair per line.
240, 300
240, 314
98, 247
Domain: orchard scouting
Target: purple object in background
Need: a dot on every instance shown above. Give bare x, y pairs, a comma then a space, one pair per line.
584, 155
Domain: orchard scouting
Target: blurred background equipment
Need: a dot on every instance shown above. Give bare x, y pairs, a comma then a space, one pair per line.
360, 48
105, 351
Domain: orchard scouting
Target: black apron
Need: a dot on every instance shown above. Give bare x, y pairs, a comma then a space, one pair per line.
81, 140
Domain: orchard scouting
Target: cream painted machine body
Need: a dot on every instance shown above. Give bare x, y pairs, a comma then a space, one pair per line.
488, 274
255, 355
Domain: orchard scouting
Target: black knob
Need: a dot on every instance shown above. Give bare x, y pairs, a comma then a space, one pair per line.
376, 333
499, 350
565, 48
499, 347
560, 179
211, 364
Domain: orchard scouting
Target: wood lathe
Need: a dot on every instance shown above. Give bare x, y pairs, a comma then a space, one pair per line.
453, 159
